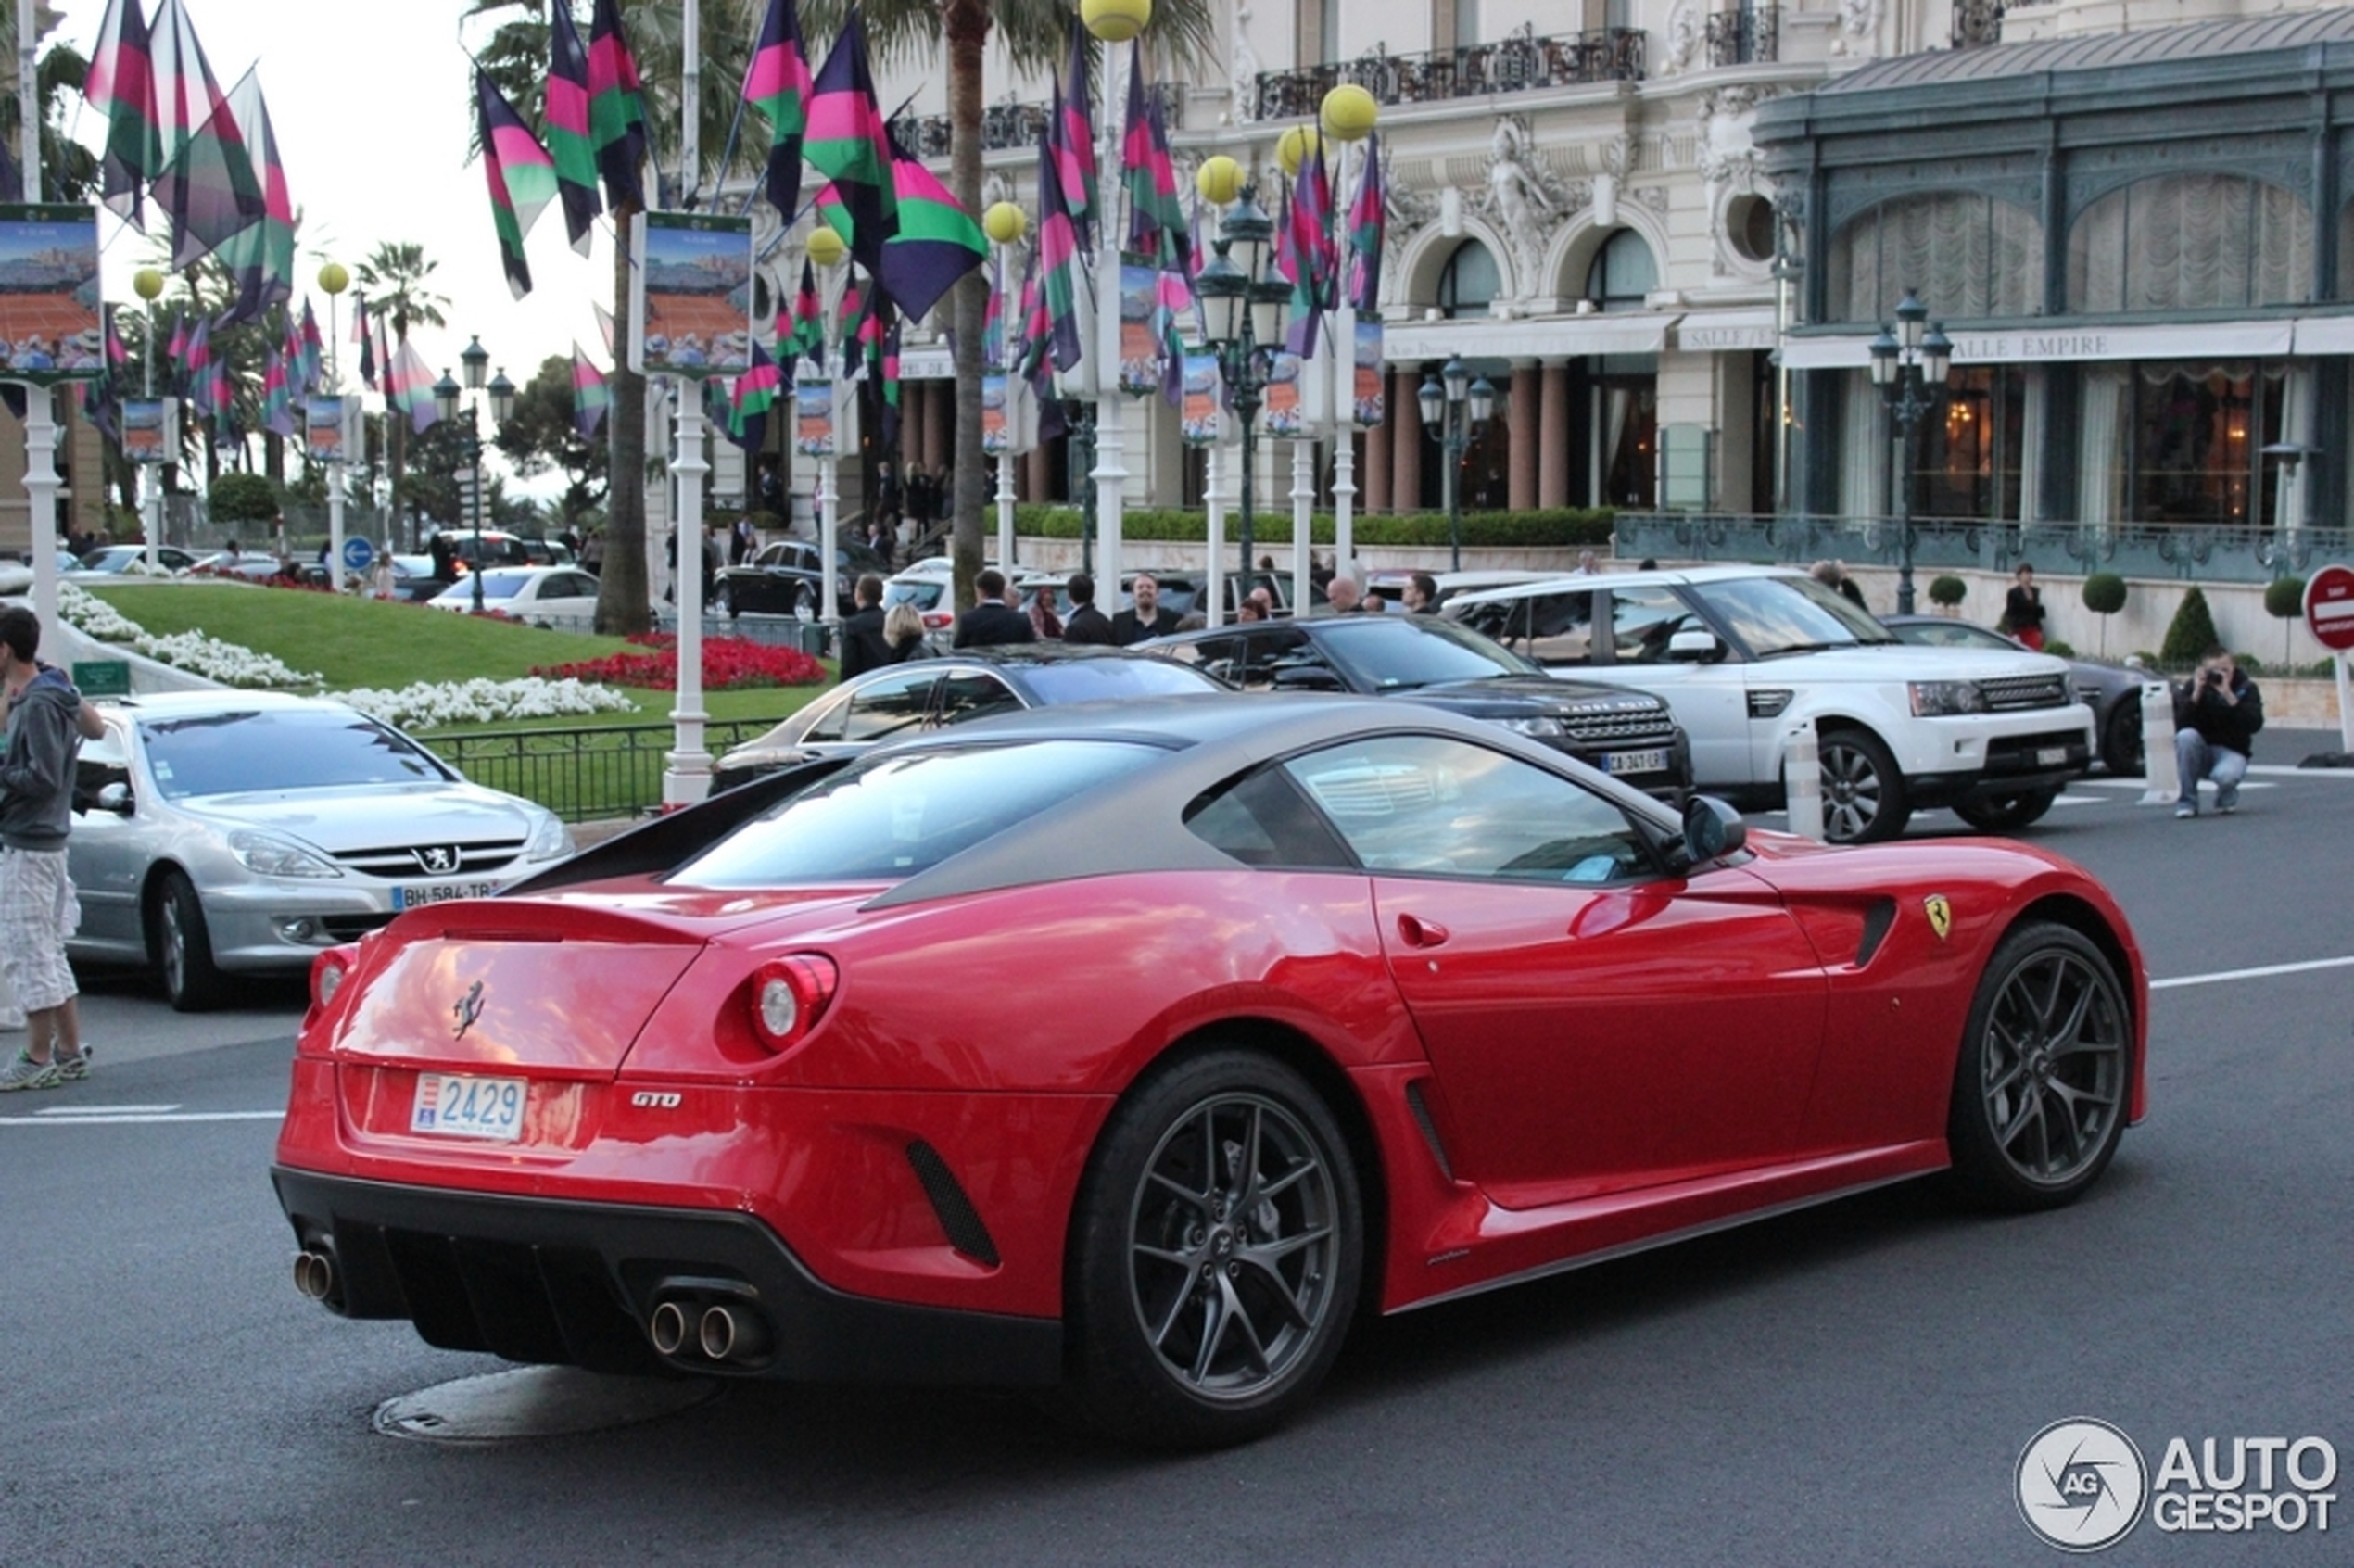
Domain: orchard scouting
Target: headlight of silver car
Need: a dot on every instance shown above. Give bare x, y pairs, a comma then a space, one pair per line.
1942, 699
549, 840
1538, 725
269, 855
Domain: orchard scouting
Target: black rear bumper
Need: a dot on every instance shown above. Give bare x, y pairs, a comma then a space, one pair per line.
551, 1281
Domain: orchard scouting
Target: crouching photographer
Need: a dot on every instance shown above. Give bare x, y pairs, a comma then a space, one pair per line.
2217, 713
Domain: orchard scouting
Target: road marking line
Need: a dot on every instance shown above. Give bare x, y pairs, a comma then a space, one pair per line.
2137, 785
2290, 771
138, 1117
2264, 972
105, 1110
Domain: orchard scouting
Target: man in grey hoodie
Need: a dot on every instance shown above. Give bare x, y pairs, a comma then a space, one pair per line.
36, 901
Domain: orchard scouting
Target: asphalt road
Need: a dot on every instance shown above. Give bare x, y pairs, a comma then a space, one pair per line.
1852, 1385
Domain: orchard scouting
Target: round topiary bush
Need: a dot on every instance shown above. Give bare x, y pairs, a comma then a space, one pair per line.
2284, 598
236, 499
1946, 590
2104, 593
2190, 635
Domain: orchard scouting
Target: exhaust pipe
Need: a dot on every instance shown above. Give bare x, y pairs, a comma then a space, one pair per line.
732, 1333
668, 1328
315, 1276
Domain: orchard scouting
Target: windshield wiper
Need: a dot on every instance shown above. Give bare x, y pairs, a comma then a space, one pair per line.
1805, 647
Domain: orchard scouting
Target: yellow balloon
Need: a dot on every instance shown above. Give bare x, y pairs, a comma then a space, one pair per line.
1116, 21
825, 245
1220, 180
1004, 223
1295, 147
333, 278
148, 283
1348, 113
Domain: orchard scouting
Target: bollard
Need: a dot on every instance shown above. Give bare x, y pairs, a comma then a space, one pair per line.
2161, 780
1803, 781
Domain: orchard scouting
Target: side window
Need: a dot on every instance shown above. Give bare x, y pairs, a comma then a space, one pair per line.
888, 708
965, 695
100, 763
1218, 657
1431, 805
1552, 628
826, 722
1273, 648
1643, 620
1261, 819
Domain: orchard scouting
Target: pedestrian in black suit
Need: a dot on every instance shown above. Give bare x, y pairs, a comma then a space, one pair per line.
1085, 623
863, 646
991, 621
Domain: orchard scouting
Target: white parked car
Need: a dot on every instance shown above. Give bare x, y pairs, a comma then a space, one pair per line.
1746, 655
544, 594
223, 832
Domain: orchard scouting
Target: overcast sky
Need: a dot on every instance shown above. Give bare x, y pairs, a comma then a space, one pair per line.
371, 103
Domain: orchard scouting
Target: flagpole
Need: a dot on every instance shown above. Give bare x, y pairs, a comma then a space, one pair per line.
1347, 114
41, 424
1111, 440
687, 770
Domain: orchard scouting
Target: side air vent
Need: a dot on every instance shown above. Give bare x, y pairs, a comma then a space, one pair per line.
1420, 1109
1877, 921
958, 1216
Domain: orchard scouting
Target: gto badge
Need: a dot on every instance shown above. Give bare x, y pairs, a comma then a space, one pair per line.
1941, 915
648, 1099
467, 1009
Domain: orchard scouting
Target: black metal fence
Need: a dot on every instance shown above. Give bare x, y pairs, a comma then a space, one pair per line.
1515, 64
583, 774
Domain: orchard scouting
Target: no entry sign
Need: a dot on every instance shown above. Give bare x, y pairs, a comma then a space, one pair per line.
2329, 607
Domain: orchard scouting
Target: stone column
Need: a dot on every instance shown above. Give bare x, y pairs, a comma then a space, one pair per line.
1406, 441
1037, 479
1553, 435
1377, 465
1520, 418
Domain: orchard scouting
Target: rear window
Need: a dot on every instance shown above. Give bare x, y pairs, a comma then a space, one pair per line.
1083, 680
895, 816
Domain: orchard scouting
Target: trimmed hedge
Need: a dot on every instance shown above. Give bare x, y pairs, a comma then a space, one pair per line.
1568, 527
242, 498
1947, 590
2191, 635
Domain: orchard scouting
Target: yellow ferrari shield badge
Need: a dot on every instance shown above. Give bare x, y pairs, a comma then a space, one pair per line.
1941, 915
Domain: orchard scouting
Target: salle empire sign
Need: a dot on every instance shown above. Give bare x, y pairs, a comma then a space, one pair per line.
2030, 348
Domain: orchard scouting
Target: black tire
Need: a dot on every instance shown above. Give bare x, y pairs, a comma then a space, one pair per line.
2121, 738
1205, 1308
183, 947
2005, 814
2043, 1084
1864, 797
723, 601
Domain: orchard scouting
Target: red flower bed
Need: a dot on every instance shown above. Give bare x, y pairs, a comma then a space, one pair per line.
729, 664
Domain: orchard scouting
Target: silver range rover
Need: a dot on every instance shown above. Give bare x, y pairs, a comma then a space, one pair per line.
226, 832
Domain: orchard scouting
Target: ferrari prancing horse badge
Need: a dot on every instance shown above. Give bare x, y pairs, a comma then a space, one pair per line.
1941, 915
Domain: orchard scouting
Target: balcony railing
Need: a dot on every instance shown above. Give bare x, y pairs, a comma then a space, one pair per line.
2183, 551
1747, 37
1515, 64
1012, 127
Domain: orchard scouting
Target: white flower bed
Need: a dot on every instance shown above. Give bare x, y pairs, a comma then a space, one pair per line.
224, 662
94, 617
428, 706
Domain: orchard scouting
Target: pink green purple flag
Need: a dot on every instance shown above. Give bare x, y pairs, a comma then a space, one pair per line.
122, 85
1367, 216
591, 396
616, 107
521, 174
937, 242
778, 85
847, 142
262, 256
564, 115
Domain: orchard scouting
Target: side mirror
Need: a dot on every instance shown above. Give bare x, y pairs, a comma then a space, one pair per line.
1711, 829
1306, 677
1694, 647
115, 798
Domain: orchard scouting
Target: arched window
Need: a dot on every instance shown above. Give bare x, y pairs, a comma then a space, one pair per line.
1622, 272
1968, 257
1469, 281
2184, 241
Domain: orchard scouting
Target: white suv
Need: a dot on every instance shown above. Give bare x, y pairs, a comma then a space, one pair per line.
1746, 655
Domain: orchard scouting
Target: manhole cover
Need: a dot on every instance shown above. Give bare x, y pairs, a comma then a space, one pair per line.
536, 1402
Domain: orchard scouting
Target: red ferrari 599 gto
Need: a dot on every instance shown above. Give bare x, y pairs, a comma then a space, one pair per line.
1131, 1048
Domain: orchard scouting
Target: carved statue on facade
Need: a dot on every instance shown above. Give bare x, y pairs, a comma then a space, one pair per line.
1243, 68
1682, 37
1518, 198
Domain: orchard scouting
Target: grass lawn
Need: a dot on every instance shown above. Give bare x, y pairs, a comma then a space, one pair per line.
355, 642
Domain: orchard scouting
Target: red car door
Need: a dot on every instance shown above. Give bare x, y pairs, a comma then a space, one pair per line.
1595, 1024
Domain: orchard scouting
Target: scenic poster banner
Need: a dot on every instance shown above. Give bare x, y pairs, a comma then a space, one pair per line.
996, 432
49, 326
693, 295
1140, 356
1371, 405
147, 435
814, 418
1199, 419
1285, 418
322, 429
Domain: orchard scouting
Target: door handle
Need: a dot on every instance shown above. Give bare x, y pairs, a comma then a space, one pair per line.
1418, 932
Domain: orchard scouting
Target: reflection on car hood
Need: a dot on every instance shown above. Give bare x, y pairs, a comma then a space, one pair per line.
365, 816
1905, 661
1503, 693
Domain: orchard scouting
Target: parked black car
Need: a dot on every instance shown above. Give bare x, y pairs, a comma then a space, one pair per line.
784, 578
925, 694
2112, 691
1629, 735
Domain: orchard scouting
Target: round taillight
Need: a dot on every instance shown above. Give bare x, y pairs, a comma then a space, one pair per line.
788, 996
327, 972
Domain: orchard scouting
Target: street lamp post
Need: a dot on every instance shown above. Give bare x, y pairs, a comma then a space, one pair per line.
476, 358
333, 278
1458, 406
148, 283
1909, 367
1243, 314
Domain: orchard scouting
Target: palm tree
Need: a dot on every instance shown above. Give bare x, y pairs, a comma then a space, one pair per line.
516, 59
1033, 34
393, 276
